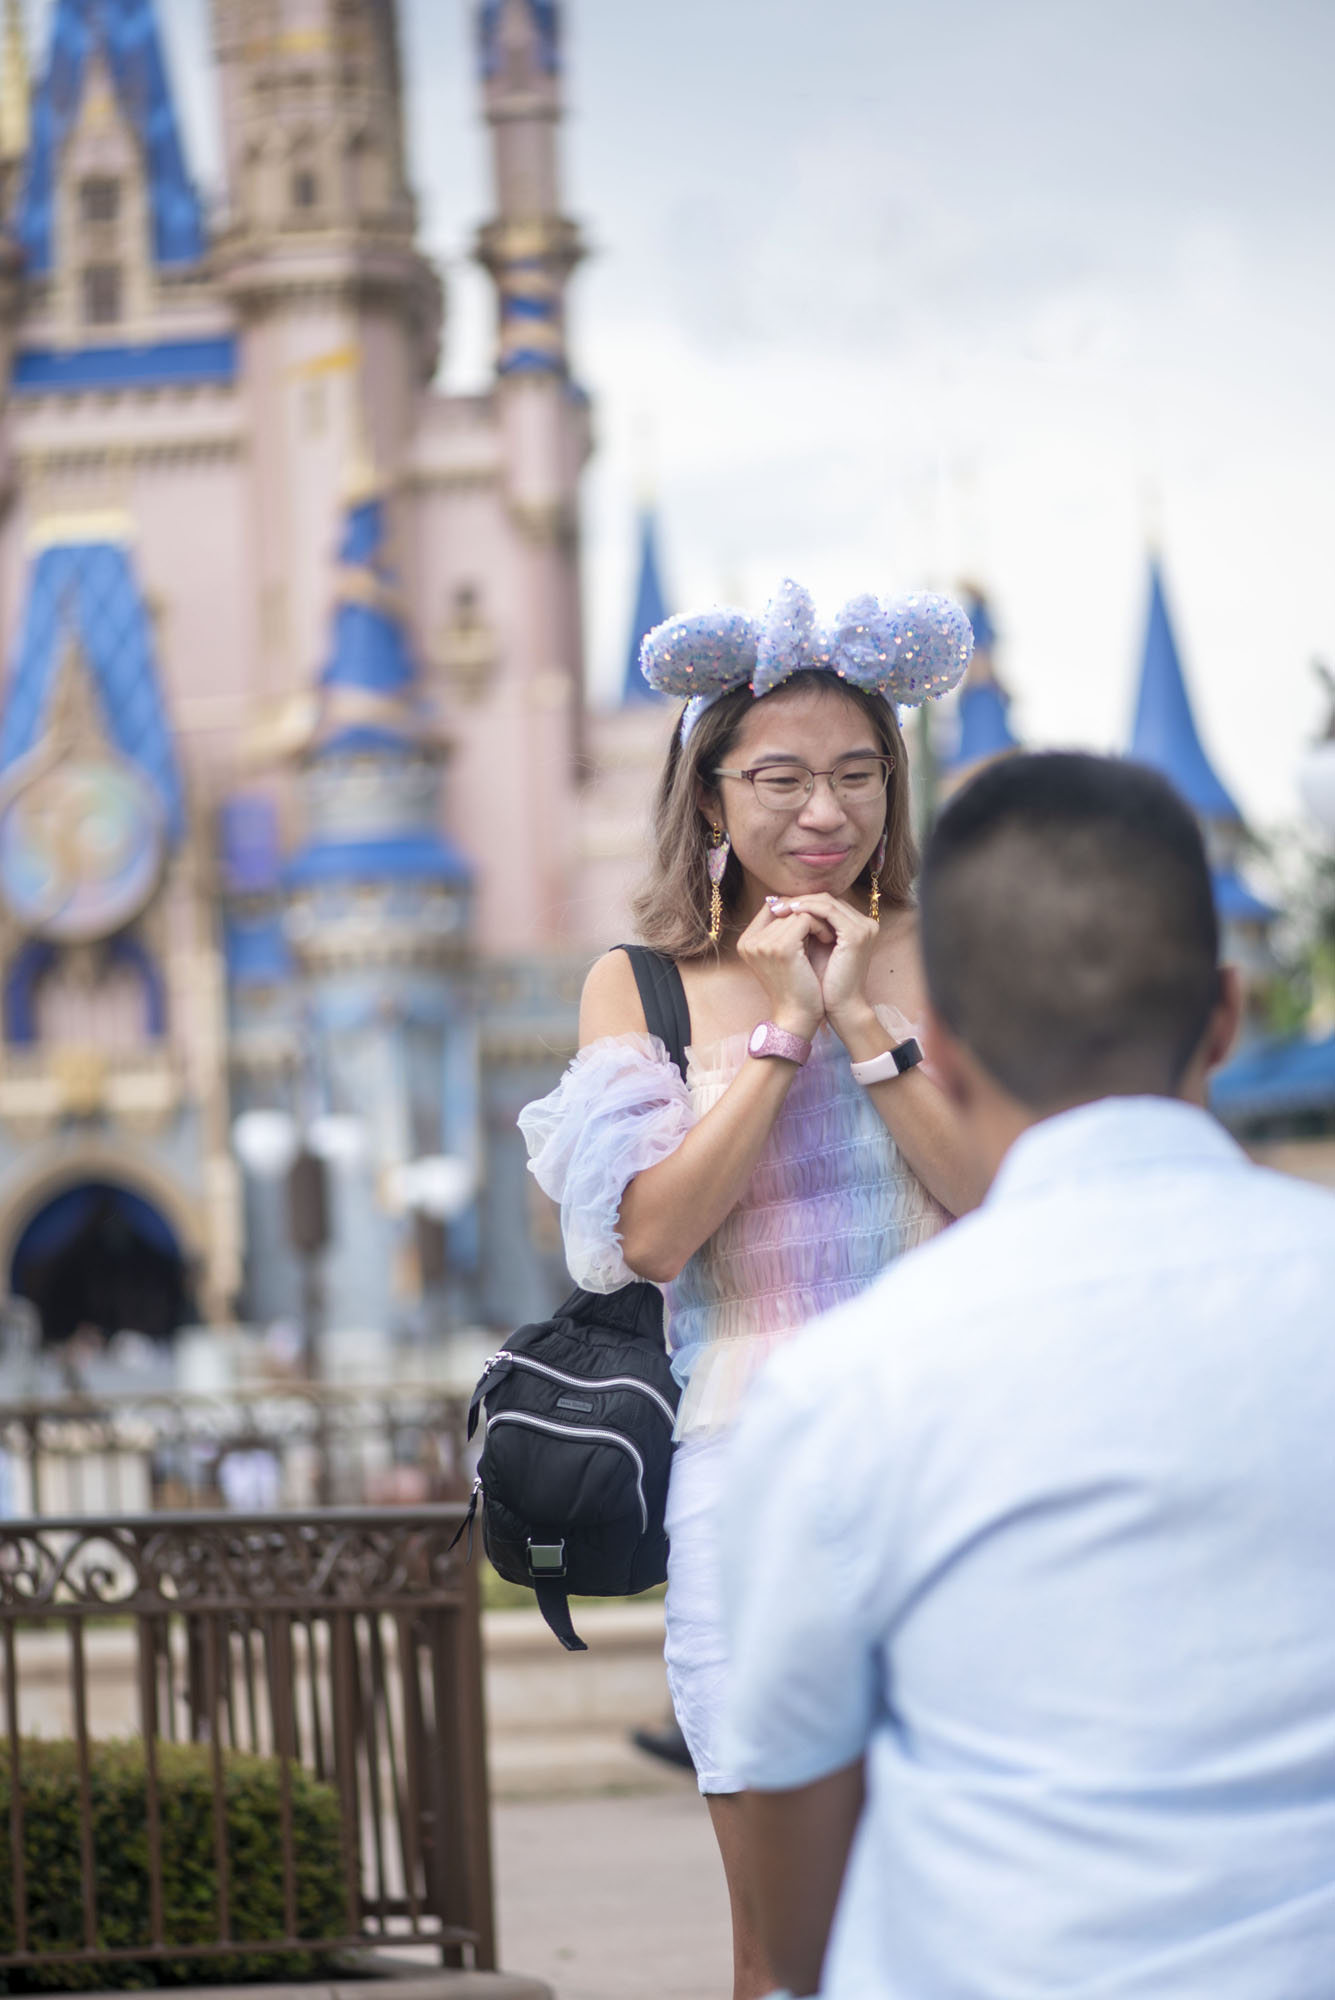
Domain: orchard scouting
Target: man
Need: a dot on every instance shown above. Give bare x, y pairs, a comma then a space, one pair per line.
1032, 1546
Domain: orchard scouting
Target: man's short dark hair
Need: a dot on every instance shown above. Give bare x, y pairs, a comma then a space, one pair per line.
1069, 928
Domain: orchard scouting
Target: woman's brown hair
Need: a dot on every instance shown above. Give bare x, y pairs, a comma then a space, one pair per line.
672, 906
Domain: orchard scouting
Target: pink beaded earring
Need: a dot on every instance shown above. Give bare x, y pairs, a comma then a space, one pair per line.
878, 863
720, 847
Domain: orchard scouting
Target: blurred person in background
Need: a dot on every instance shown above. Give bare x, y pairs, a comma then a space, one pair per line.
1029, 1548
810, 1148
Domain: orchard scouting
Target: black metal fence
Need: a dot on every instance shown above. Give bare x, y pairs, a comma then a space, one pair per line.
289, 1445
342, 1643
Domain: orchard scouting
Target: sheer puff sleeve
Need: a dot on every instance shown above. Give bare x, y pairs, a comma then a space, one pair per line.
621, 1107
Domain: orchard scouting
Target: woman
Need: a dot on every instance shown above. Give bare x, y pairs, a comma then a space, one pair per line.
810, 1148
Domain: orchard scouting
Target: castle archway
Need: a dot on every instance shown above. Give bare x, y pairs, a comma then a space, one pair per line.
99, 1256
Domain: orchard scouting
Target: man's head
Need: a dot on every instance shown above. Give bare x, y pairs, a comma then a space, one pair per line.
1070, 937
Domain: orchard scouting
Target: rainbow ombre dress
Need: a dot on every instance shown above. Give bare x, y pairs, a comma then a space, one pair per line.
830, 1204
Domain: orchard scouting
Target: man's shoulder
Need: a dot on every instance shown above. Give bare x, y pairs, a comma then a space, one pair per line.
1270, 1216
1304, 1202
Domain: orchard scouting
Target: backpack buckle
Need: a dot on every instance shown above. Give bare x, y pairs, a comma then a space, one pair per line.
546, 1559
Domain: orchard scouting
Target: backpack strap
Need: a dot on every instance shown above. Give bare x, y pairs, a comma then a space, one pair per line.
663, 997
555, 1608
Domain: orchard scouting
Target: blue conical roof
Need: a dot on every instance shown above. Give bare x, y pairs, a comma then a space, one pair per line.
126, 33
546, 20
984, 705
980, 620
370, 648
371, 705
650, 610
985, 729
1164, 734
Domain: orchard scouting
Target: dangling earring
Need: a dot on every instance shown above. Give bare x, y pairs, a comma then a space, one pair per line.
878, 863
720, 847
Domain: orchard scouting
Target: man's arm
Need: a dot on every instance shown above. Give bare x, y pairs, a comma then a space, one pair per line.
798, 1844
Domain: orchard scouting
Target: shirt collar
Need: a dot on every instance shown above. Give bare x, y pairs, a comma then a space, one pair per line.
1113, 1135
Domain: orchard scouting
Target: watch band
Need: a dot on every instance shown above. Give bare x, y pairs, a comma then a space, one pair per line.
894, 1062
770, 1040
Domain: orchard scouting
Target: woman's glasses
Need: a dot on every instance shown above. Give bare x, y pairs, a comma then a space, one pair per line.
854, 781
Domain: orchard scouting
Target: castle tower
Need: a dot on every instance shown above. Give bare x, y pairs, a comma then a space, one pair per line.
1164, 735
982, 707
15, 132
377, 923
536, 711
339, 313
628, 743
15, 104
650, 609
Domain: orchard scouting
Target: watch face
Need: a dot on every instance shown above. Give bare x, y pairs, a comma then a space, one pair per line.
80, 849
759, 1037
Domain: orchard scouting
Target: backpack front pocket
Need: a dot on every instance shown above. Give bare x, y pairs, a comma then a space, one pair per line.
587, 1474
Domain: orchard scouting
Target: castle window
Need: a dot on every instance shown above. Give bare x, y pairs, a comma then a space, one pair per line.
102, 302
100, 199
305, 189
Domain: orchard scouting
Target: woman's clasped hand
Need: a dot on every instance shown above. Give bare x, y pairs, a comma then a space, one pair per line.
812, 954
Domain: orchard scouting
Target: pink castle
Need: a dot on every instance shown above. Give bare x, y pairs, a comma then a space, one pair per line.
295, 791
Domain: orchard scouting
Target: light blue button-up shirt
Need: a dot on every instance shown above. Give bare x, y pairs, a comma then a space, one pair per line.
1044, 1524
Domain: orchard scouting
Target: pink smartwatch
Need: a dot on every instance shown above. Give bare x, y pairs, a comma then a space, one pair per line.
769, 1040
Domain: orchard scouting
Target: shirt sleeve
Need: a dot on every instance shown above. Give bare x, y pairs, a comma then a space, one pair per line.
621, 1107
799, 1562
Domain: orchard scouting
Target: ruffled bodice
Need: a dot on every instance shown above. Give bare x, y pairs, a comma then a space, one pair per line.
831, 1201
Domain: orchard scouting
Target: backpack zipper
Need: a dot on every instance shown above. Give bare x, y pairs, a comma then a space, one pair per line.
582, 1431
581, 1381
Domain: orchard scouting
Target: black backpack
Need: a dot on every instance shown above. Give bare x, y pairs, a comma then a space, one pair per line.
580, 1413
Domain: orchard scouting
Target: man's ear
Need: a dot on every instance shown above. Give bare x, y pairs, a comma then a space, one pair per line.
1222, 1031
947, 1058
1220, 1034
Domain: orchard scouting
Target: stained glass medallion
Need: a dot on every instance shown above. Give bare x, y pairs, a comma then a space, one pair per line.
81, 848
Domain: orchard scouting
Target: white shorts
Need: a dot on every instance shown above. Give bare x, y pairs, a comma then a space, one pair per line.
694, 1648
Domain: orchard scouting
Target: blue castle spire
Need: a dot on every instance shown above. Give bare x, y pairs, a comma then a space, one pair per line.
1164, 734
1165, 737
372, 719
546, 20
125, 33
984, 705
650, 610
370, 668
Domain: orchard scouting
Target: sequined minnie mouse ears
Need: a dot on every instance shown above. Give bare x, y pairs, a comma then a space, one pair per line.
910, 649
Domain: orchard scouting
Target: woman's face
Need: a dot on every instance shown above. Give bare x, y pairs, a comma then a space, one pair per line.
824, 843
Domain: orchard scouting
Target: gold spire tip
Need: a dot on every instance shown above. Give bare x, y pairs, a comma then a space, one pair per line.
15, 85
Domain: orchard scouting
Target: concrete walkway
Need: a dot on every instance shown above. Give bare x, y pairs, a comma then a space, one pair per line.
614, 1898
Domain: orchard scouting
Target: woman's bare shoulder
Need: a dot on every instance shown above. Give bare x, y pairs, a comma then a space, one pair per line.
610, 1003
900, 927
898, 964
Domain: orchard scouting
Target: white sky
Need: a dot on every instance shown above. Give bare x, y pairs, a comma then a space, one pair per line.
905, 292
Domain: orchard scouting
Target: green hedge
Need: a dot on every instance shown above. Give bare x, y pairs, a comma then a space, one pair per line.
54, 1868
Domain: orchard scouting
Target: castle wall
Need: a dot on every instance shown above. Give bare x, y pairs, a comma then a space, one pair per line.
510, 777
168, 467
227, 492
